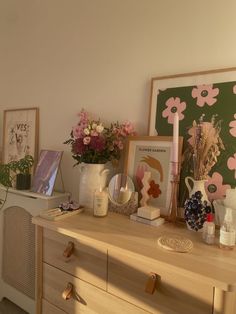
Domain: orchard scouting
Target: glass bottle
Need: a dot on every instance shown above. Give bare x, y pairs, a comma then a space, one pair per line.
209, 230
227, 231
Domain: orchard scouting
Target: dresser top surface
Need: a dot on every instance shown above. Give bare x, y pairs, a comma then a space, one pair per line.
120, 234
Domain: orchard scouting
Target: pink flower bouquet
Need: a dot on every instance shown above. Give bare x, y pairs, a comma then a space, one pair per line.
92, 142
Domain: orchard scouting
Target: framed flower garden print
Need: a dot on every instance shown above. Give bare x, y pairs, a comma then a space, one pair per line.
152, 154
193, 95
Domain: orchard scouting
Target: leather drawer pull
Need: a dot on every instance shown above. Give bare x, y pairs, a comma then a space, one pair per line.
151, 283
68, 292
69, 249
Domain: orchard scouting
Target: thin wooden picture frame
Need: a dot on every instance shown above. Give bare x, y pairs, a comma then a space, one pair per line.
192, 95
20, 133
152, 153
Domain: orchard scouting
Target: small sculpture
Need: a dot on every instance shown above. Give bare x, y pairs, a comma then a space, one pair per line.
146, 211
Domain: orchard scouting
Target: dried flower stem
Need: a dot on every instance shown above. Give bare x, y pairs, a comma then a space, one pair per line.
205, 146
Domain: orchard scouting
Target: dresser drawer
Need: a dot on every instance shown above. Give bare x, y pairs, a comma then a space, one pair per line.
85, 298
48, 308
84, 261
173, 293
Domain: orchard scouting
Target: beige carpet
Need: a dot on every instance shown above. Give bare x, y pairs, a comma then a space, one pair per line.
7, 307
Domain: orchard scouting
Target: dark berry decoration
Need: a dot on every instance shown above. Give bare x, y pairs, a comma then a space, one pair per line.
196, 211
198, 195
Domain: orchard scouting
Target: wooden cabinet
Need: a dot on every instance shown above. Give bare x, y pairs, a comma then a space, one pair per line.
113, 266
75, 257
84, 297
128, 277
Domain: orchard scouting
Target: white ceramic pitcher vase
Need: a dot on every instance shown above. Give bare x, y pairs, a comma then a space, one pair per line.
197, 206
92, 177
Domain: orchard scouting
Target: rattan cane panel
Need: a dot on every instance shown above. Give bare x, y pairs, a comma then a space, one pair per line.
18, 267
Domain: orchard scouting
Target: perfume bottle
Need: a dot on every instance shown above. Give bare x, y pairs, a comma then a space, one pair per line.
227, 231
208, 234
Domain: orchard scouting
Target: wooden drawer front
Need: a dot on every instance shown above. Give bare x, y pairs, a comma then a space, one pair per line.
85, 262
48, 308
86, 298
127, 278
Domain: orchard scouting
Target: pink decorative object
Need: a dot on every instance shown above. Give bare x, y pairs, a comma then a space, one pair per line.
175, 142
146, 186
139, 174
205, 94
215, 188
232, 125
174, 105
231, 163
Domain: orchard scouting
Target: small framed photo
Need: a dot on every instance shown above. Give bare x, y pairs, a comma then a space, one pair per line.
20, 133
46, 171
152, 154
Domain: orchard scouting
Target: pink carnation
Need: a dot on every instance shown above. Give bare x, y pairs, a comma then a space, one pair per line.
83, 117
94, 133
77, 131
128, 128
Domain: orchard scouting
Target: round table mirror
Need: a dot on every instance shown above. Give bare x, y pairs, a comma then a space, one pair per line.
120, 189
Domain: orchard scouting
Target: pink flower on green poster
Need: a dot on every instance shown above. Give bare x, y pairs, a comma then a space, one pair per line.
215, 188
234, 89
231, 163
232, 125
205, 94
174, 105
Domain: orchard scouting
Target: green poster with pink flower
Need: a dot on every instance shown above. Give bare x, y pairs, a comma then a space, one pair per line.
191, 102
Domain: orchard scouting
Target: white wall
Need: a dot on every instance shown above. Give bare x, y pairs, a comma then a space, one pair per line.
62, 55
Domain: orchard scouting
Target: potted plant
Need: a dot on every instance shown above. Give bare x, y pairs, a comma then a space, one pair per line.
5, 176
22, 168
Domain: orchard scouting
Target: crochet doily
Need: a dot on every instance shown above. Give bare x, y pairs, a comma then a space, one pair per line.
175, 243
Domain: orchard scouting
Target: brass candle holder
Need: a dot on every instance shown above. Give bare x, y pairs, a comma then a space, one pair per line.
173, 207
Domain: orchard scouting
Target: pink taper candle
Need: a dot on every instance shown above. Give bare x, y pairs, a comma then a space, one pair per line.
176, 141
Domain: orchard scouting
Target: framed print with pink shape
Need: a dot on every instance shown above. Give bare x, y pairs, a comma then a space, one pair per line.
152, 154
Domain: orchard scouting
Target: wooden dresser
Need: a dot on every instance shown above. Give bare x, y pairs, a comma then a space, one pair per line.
102, 265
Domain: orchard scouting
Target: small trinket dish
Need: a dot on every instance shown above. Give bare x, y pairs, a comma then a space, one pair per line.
64, 210
56, 214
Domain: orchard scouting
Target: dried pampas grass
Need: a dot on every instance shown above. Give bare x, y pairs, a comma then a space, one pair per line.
204, 146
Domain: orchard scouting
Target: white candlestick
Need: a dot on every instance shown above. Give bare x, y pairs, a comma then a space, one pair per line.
175, 138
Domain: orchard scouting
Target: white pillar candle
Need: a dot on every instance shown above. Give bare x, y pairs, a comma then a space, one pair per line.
176, 137
124, 195
175, 147
100, 203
